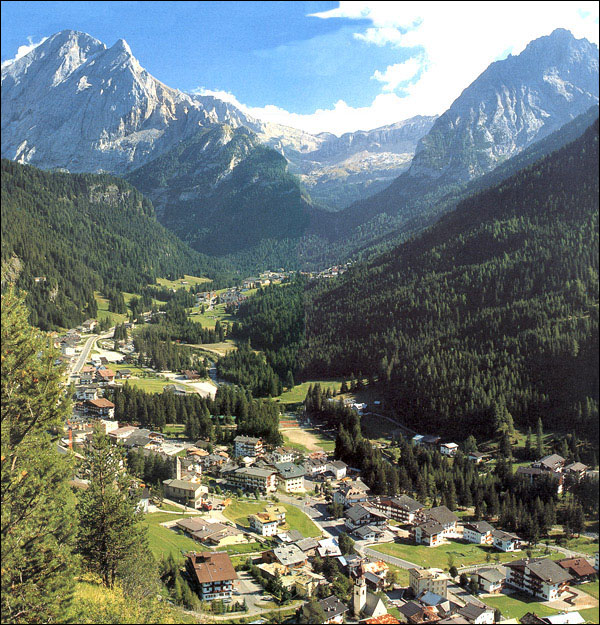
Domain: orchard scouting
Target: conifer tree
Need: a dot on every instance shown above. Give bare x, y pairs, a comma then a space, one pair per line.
37, 506
109, 529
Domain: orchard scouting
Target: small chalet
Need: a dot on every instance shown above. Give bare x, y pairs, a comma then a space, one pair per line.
505, 541
478, 532
579, 568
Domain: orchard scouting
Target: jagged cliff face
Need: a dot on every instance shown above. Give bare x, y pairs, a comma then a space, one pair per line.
512, 104
73, 103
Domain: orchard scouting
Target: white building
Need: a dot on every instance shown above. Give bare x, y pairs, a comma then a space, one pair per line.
449, 449
506, 541
264, 524
539, 577
478, 532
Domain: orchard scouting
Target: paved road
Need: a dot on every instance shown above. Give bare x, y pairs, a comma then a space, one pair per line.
84, 354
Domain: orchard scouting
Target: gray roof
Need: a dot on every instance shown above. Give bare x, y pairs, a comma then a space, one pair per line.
246, 439
306, 544
492, 575
288, 555
338, 464
365, 530
332, 606
472, 611
407, 503
190, 486
544, 568
480, 526
552, 460
294, 535
357, 512
505, 535
442, 515
289, 470
410, 609
254, 472
431, 528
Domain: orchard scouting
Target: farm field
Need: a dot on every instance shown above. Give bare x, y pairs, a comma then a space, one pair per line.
209, 318
220, 349
103, 311
150, 385
590, 588
298, 393
516, 605
164, 541
464, 554
178, 284
238, 512
307, 440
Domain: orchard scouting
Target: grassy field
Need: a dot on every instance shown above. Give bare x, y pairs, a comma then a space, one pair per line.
164, 541
307, 440
591, 615
463, 554
591, 589
516, 605
582, 544
103, 311
219, 349
209, 318
298, 393
178, 284
150, 385
174, 430
239, 511
94, 603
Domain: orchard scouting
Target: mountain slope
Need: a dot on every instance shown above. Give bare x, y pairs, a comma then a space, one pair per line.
514, 103
222, 191
84, 232
73, 103
491, 312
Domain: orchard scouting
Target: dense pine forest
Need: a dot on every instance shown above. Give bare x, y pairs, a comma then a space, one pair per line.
81, 233
488, 319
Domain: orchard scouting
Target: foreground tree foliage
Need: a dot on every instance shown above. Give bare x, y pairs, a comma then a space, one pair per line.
111, 539
38, 516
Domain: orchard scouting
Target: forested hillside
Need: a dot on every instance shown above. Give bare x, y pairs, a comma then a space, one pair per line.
80, 233
490, 316
223, 192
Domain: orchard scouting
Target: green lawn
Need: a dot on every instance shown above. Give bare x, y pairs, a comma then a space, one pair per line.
103, 311
174, 430
591, 615
463, 554
517, 605
178, 284
164, 541
298, 393
591, 588
239, 511
210, 317
150, 385
582, 544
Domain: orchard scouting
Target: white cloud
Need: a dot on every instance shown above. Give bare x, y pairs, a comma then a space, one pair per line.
23, 50
453, 42
396, 75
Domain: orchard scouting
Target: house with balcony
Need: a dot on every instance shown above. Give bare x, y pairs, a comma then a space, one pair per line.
212, 574
248, 446
478, 533
290, 476
253, 478
187, 493
505, 541
263, 523
403, 508
539, 577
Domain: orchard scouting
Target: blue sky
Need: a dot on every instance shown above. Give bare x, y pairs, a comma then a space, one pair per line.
314, 65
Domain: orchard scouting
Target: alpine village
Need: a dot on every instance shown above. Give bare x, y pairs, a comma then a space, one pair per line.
252, 374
